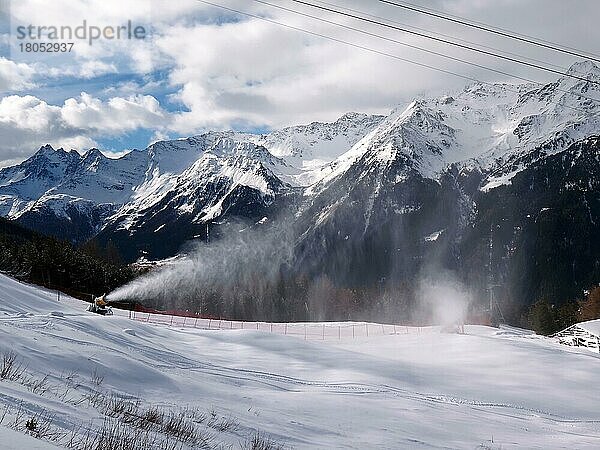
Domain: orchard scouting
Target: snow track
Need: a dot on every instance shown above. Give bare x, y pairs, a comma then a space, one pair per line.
490, 388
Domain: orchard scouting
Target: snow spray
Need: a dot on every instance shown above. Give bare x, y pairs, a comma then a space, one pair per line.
243, 256
442, 299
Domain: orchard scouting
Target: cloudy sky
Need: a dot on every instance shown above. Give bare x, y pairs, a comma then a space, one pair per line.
202, 67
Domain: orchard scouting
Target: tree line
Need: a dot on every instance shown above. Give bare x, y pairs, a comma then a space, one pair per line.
547, 318
57, 264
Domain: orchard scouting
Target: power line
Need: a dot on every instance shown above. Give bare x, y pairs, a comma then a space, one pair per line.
371, 50
341, 41
442, 55
437, 33
395, 41
445, 41
490, 29
587, 52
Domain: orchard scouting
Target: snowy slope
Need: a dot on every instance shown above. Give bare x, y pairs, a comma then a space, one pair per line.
15, 440
490, 388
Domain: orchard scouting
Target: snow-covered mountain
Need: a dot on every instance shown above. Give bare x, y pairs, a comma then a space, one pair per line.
308, 148
65, 193
430, 169
232, 178
75, 196
370, 187
493, 126
72, 195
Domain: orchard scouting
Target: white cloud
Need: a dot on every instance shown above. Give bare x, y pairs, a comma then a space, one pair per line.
158, 136
15, 76
253, 72
78, 143
91, 69
26, 122
113, 116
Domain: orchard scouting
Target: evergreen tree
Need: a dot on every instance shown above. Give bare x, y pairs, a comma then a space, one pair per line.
541, 318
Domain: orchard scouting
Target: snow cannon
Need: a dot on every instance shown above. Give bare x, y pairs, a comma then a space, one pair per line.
101, 306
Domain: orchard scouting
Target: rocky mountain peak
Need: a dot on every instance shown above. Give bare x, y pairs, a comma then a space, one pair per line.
584, 69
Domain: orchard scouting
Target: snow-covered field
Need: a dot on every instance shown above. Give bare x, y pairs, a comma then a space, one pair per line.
488, 388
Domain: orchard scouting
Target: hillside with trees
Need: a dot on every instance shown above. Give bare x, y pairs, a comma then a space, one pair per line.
50, 262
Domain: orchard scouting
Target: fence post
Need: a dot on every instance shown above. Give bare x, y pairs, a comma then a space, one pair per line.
285, 332
184, 317
339, 332
220, 321
271, 327
382, 330
394, 328
323, 331
367, 328
196, 322
209, 322
231, 324
352, 331
148, 319
171, 321
256, 326
304, 331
